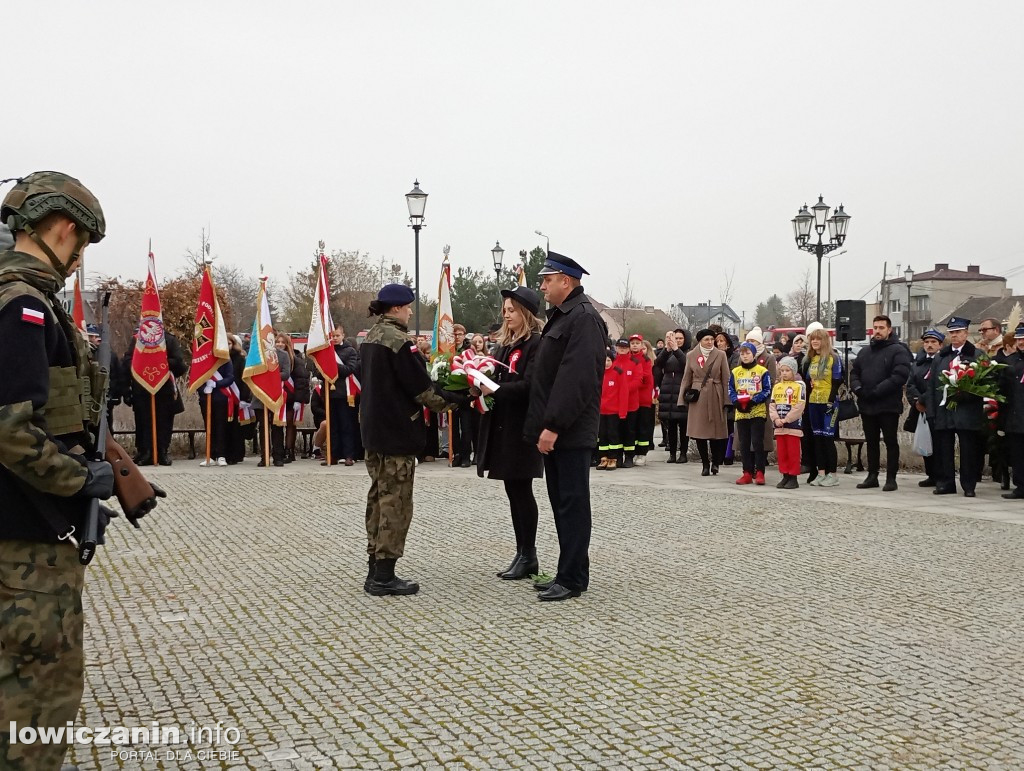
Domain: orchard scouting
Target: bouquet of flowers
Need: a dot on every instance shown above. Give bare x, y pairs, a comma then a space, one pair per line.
440, 369
464, 371
976, 378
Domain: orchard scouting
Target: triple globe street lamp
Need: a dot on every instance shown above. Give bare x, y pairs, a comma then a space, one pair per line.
818, 217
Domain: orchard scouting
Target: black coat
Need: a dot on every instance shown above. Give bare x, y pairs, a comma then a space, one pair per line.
879, 375
671, 366
916, 387
238, 366
348, 364
500, 449
969, 414
1011, 411
168, 394
300, 378
565, 389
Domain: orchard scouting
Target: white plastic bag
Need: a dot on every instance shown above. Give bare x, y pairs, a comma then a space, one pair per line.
923, 437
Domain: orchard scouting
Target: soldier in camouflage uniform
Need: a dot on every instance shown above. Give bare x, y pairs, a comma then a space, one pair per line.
396, 389
50, 396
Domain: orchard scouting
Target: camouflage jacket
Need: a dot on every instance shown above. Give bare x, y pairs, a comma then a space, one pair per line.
396, 388
44, 401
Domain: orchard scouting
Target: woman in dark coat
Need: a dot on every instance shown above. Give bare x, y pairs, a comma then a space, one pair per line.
724, 343
501, 450
670, 365
238, 433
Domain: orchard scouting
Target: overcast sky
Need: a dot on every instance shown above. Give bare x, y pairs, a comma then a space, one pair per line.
676, 138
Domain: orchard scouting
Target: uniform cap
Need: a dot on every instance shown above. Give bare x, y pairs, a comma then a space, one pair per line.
559, 263
934, 334
622, 343
1018, 333
955, 322
396, 295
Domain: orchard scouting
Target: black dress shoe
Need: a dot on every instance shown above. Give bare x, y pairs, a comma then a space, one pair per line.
944, 491
929, 482
165, 461
558, 592
969, 494
543, 587
1018, 493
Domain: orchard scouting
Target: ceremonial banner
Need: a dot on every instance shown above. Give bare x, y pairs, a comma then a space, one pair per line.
77, 308
318, 345
149, 360
444, 331
522, 275
262, 372
210, 338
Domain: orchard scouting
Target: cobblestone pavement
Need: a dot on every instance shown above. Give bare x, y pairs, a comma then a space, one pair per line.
724, 627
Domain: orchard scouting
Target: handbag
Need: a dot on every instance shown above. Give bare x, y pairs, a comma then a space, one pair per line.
923, 438
691, 395
846, 405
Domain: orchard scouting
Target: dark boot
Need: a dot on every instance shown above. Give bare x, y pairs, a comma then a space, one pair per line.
164, 459
145, 459
890, 484
370, 571
290, 433
714, 469
627, 461
512, 564
706, 470
526, 565
385, 582
671, 458
871, 481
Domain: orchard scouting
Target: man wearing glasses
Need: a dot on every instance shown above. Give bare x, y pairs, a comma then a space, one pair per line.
991, 339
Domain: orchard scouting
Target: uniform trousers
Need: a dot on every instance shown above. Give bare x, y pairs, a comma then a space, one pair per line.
627, 431
609, 444
567, 473
1016, 445
644, 429
389, 503
42, 664
971, 443
218, 424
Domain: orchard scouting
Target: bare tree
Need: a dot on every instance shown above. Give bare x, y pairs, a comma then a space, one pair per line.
628, 297
801, 303
725, 292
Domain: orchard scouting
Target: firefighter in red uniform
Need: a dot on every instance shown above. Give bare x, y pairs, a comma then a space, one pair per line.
645, 398
627, 430
614, 401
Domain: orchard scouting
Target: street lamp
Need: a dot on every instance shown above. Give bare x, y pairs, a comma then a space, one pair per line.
908, 276
818, 217
496, 254
547, 240
417, 202
831, 310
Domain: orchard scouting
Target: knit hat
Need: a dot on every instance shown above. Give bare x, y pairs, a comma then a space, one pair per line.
814, 326
750, 347
789, 361
756, 335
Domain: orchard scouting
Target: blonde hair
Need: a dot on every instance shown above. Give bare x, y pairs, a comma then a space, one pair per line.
505, 336
824, 353
649, 349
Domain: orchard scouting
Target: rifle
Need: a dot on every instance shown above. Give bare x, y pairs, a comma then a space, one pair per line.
91, 533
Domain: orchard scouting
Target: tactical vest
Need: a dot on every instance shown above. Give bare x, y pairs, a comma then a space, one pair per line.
77, 393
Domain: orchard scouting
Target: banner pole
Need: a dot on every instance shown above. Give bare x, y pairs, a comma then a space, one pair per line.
266, 436
327, 408
209, 424
152, 410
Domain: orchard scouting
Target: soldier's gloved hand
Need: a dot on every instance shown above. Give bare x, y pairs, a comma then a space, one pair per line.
149, 504
100, 481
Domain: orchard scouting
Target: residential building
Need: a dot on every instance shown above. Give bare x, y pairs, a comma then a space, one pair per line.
934, 295
704, 315
648, 321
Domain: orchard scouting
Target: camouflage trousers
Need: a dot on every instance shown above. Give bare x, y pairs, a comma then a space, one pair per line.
41, 661
389, 503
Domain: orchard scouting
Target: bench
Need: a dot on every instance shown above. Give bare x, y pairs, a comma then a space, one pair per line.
306, 432
850, 444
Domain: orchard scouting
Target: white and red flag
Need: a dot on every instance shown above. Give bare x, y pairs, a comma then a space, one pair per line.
262, 371
149, 360
318, 345
444, 323
78, 308
209, 337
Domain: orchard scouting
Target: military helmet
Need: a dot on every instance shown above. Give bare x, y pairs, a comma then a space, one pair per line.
43, 192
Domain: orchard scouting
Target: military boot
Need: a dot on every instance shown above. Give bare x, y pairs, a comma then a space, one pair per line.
385, 582
370, 565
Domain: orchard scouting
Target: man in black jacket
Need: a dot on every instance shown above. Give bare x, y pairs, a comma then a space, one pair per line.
955, 416
344, 426
1012, 386
878, 377
917, 385
564, 413
167, 403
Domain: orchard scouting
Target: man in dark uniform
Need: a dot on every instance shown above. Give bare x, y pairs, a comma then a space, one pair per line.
50, 398
920, 376
965, 422
168, 404
564, 414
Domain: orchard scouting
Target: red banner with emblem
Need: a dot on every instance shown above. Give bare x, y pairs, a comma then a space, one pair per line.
209, 338
149, 361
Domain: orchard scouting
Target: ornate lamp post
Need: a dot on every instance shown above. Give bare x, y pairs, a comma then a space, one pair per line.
416, 199
818, 217
908, 276
497, 253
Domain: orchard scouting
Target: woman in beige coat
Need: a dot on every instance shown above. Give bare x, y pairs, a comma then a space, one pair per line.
707, 373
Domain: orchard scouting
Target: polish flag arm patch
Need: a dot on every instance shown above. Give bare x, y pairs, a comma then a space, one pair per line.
33, 316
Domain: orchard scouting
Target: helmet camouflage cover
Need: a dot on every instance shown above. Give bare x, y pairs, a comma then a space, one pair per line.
43, 192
